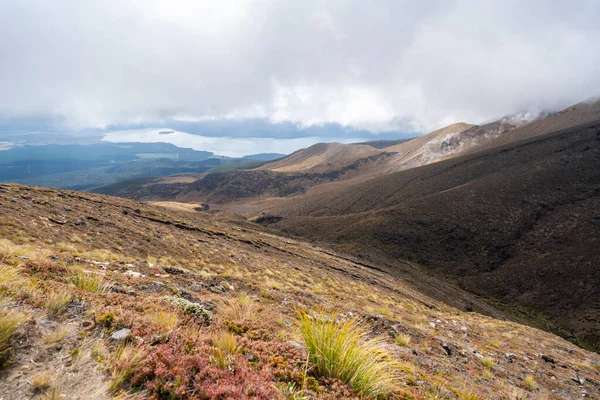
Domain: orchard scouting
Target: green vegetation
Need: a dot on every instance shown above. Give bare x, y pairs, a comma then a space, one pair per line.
196, 309
56, 302
9, 322
91, 282
342, 350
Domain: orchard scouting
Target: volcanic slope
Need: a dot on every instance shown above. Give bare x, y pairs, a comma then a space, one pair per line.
519, 223
321, 157
104, 297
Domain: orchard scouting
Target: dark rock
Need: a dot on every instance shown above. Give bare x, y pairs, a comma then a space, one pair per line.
202, 207
174, 271
579, 379
548, 359
447, 348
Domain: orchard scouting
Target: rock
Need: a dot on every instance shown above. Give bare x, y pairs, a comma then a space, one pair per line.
511, 357
195, 287
174, 271
121, 334
134, 274
202, 207
548, 359
397, 328
87, 325
432, 324
447, 348
579, 379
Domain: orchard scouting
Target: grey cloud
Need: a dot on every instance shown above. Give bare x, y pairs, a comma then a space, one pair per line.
382, 65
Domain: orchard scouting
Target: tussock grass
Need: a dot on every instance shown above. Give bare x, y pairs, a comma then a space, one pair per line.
402, 339
41, 381
487, 362
343, 350
91, 282
10, 279
225, 346
241, 310
56, 302
55, 337
9, 322
122, 363
529, 382
225, 341
165, 321
8, 250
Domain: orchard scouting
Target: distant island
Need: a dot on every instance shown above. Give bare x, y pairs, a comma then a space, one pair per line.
165, 132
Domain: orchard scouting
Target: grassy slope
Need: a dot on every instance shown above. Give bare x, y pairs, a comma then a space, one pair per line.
56, 243
518, 223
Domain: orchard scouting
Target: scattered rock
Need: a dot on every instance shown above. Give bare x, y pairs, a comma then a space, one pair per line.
447, 348
87, 325
134, 274
174, 271
202, 207
58, 220
548, 359
121, 334
511, 357
579, 379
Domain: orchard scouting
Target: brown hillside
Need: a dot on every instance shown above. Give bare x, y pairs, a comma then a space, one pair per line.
104, 297
321, 157
581, 113
518, 223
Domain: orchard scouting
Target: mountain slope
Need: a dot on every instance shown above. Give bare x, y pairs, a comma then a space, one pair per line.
320, 157
146, 301
112, 297
518, 223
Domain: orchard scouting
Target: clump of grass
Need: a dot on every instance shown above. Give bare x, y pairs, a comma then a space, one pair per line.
238, 313
8, 249
41, 381
9, 322
196, 309
56, 302
487, 362
225, 341
55, 337
343, 350
402, 339
10, 279
530, 382
123, 362
166, 321
225, 346
91, 282
55, 393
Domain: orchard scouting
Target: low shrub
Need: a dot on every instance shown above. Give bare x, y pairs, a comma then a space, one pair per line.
195, 309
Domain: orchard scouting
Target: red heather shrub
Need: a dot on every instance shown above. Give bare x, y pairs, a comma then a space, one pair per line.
176, 370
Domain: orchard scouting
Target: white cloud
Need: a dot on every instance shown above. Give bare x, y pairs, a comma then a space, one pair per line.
376, 65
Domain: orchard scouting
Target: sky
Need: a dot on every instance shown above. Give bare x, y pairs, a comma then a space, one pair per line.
361, 68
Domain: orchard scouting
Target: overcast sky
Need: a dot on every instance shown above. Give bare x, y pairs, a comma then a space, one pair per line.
376, 65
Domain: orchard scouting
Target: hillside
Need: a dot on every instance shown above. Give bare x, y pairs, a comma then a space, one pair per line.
518, 224
321, 157
230, 186
580, 113
106, 297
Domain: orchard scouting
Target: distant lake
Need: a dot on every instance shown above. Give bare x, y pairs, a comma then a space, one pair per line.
223, 146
